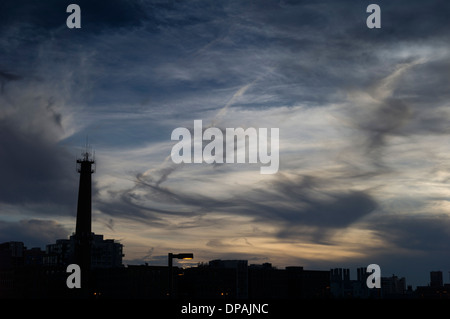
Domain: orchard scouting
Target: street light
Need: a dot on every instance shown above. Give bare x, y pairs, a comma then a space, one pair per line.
171, 257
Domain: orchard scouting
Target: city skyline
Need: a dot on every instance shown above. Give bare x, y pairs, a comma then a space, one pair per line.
362, 114
107, 256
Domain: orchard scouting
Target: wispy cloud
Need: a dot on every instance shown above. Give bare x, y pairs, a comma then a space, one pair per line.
363, 119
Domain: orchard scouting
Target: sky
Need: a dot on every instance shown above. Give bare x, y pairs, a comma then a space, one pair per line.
363, 117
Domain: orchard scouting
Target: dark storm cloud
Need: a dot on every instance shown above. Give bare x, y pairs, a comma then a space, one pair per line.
323, 207
417, 233
32, 232
34, 168
193, 47
52, 14
6, 76
415, 20
301, 207
413, 245
304, 208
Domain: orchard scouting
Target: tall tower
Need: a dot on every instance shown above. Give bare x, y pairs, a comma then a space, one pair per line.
83, 231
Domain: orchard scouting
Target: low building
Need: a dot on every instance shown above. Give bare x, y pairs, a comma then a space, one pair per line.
105, 253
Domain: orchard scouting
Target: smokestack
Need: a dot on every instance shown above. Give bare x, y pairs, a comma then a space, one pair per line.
83, 231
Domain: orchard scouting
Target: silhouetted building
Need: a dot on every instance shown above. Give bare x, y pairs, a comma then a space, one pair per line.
240, 268
12, 254
105, 253
266, 281
428, 292
393, 287
342, 286
436, 279
34, 256
218, 279
131, 282
22, 273
436, 289
308, 283
60, 253
234, 279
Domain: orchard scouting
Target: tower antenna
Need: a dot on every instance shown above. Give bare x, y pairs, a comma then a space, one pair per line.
87, 144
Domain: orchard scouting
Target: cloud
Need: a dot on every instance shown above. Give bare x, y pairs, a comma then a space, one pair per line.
425, 234
51, 15
292, 204
363, 117
307, 208
408, 244
33, 165
33, 232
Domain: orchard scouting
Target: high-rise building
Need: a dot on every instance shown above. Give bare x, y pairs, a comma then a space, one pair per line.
436, 279
11, 254
105, 253
393, 286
